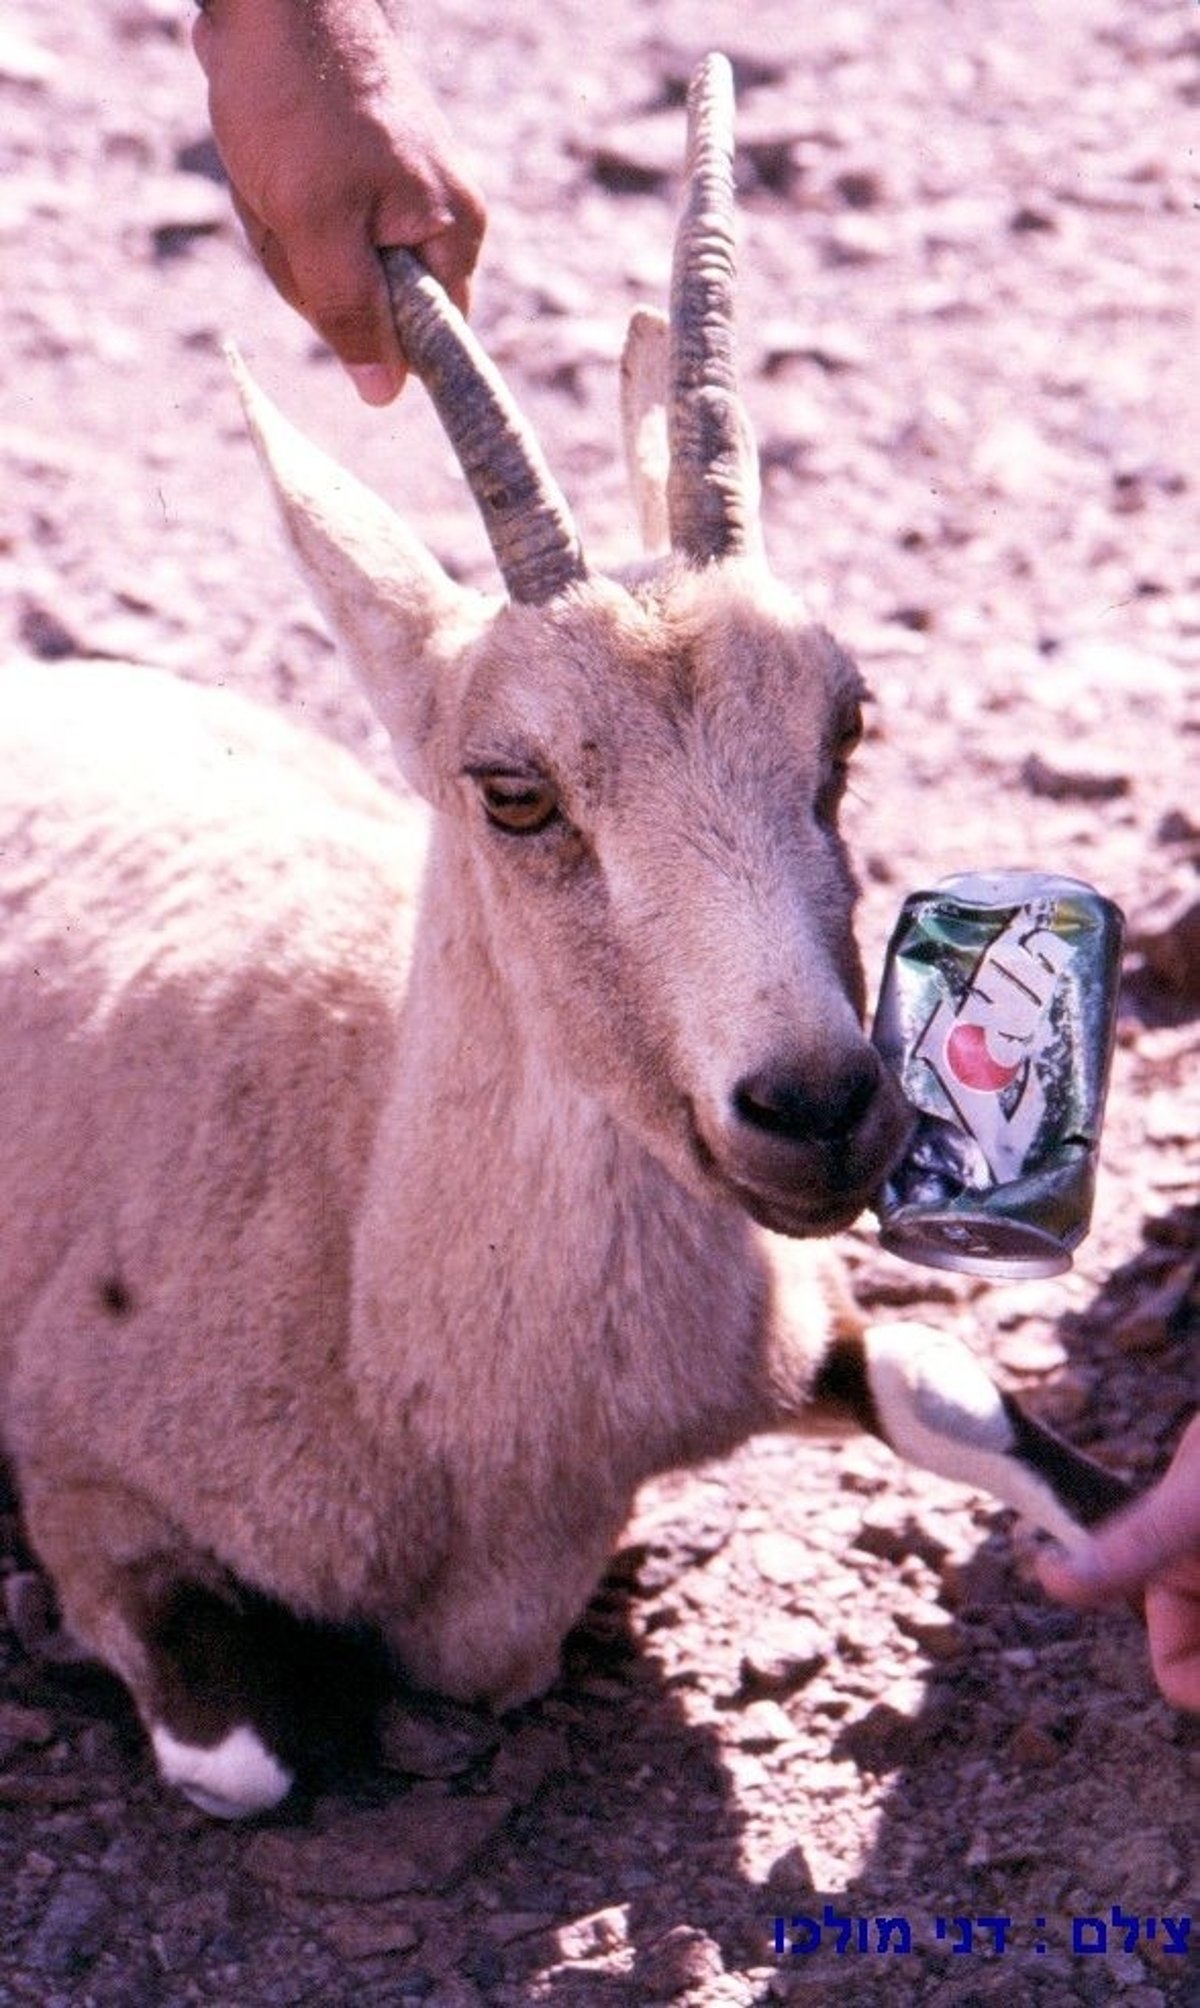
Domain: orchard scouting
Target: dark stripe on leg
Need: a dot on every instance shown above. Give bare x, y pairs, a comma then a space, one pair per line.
1086, 1489
843, 1382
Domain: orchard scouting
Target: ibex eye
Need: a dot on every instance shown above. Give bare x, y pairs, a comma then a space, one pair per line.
519, 803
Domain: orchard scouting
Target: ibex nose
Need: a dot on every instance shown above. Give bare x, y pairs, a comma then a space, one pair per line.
809, 1107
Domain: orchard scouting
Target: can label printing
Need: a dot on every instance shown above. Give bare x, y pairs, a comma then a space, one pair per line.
997, 1015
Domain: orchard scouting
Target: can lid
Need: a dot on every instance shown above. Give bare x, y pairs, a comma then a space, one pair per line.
978, 1245
1004, 887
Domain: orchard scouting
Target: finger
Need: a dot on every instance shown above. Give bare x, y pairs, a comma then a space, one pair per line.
1173, 1615
342, 291
445, 261
1160, 1530
202, 33
451, 254
268, 249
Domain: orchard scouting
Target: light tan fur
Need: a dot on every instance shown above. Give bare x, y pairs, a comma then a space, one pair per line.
387, 1303
369, 1248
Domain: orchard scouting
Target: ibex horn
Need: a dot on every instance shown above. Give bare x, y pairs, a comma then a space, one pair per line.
712, 488
526, 517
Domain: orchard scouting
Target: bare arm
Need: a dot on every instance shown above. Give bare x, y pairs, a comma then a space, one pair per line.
335, 149
1154, 1546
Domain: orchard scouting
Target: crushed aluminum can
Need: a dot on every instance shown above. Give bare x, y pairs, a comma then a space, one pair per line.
997, 1015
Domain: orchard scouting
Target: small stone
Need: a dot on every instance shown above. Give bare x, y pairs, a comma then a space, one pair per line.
887, 1735
74, 1926
454, 1991
641, 158
833, 349
23, 1728
45, 634
1030, 218
525, 1761
887, 1530
596, 1935
783, 1655
1057, 782
367, 1933
857, 239
1172, 952
1032, 1352
423, 1841
25, 62
934, 1630
1066, 1399
1032, 1746
680, 1959
1147, 1325
1176, 826
781, 1559
179, 208
762, 1725
1169, 1117
678, 1523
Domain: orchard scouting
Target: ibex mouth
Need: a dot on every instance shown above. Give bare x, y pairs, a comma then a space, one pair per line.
806, 1219
799, 1180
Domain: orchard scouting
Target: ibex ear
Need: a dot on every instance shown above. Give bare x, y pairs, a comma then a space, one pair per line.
396, 612
644, 379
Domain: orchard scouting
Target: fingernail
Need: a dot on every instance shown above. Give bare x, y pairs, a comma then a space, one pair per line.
374, 382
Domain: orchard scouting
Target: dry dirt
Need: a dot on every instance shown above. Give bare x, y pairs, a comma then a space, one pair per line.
816, 1687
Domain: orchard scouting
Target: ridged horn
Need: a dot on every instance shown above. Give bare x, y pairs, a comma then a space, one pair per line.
712, 490
524, 512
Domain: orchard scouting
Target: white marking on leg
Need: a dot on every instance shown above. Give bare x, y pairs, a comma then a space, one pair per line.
938, 1408
232, 1779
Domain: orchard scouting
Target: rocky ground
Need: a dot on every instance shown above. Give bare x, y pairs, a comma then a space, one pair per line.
816, 1688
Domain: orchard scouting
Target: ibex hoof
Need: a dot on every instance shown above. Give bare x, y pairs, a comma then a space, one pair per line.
232, 1780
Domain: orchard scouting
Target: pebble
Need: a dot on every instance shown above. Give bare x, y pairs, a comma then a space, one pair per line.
1031, 1352
45, 634
367, 1933
761, 1725
599, 1933
1146, 1326
1172, 952
858, 239
781, 1558
74, 1925
1055, 781
180, 208
1032, 1746
526, 1760
934, 1630
641, 158
26, 62
781, 1656
834, 348
422, 1841
682, 1958
23, 1728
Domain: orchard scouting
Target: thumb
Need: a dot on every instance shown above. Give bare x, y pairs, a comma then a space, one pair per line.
1139, 1543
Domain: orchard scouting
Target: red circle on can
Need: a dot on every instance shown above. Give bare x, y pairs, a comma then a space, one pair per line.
971, 1061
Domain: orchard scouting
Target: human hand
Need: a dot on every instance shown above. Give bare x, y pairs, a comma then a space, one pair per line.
334, 150
1151, 1546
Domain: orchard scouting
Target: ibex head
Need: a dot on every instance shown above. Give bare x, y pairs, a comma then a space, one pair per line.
638, 783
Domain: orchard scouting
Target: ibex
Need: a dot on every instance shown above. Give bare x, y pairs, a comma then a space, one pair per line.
365, 1254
